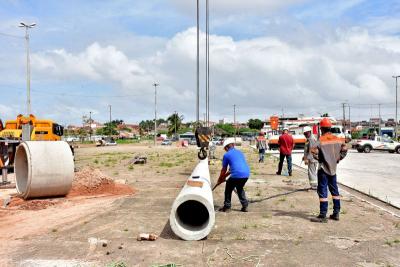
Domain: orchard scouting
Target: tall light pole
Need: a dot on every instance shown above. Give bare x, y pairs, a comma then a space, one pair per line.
155, 112
28, 67
396, 122
234, 120
176, 121
110, 126
198, 67
90, 126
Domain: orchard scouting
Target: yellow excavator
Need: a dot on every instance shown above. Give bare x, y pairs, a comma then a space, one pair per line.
13, 132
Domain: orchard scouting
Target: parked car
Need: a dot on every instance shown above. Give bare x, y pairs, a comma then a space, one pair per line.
378, 143
166, 142
193, 142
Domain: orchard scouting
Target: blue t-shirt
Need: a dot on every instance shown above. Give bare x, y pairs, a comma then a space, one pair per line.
237, 163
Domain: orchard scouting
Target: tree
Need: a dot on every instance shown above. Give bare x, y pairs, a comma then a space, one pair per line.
228, 128
175, 122
255, 124
325, 115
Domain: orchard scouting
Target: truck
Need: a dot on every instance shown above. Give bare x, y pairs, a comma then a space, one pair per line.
13, 132
377, 143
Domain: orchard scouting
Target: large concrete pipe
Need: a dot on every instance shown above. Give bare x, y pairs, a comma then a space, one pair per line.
43, 169
192, 216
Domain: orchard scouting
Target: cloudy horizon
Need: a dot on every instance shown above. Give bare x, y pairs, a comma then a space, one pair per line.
292, 57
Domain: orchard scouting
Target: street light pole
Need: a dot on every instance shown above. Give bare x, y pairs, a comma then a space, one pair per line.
28, 67
90, 126
396, 122
155, 113
234, 120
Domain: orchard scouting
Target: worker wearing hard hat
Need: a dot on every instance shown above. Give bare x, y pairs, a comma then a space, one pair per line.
328, 151
308, 157
261, 146
286, 145
239, 173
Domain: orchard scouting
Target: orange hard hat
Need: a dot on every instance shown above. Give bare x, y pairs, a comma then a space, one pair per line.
325, 123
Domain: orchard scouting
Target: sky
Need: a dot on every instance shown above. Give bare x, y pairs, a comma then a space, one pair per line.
267, 57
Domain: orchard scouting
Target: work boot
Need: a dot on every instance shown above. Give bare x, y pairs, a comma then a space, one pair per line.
278, 173
224, 209
290, 173
320, 219
334, 216
244, 209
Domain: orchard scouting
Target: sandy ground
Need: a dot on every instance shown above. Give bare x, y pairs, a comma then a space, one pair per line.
102, 231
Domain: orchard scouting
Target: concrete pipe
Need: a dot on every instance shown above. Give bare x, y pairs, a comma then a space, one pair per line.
43, 169
192, 216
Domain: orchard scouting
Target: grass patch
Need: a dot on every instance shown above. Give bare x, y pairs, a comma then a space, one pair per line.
130, 167
117, 264
267, 216
166, 164
245, 226
116, 173
240, 237
96, 161
282, 199
54, 230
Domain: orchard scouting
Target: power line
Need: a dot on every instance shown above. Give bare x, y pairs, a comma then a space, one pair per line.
12, 36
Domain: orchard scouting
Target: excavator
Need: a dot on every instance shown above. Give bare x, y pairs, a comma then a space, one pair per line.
13, 132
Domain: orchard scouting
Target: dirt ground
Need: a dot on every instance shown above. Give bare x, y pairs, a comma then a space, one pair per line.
101, 229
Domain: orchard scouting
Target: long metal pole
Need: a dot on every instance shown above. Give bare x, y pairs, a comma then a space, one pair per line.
90, 126
109, 107
396, 122
198, 67
155, 113
234, 120
379, 125
28, 74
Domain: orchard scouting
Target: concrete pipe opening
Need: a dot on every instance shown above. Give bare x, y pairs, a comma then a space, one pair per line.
43, 169
192, 215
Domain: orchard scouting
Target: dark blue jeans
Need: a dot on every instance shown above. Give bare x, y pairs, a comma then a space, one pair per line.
261, 153
289, 163
231, 184
326, 181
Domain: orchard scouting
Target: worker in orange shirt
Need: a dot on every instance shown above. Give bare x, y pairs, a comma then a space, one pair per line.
329, 151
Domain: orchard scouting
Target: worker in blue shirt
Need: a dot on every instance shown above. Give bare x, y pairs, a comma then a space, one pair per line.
239, 173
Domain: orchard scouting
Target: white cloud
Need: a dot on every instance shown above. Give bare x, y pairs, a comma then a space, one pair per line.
260, 75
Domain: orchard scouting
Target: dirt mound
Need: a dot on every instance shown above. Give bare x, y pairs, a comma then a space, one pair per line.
91, 181
87, 182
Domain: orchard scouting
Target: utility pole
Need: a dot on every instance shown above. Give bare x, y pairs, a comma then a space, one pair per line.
155, 113
344, 116
198, 67
397, 122
110, 126
234, 120
349, 118
379, 108
28, 66
176, 120
90, 126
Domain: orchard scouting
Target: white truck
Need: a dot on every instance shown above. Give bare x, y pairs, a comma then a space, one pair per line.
378, 143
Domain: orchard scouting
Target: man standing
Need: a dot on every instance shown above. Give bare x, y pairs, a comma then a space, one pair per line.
261, 146
308, 157
286, 145
239, 173
329, 151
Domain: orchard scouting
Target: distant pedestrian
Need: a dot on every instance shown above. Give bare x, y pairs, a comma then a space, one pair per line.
239, 173
261, 146
286, 145
308, 158
329, 151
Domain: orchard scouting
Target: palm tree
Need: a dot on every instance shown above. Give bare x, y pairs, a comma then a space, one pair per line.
174, 122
